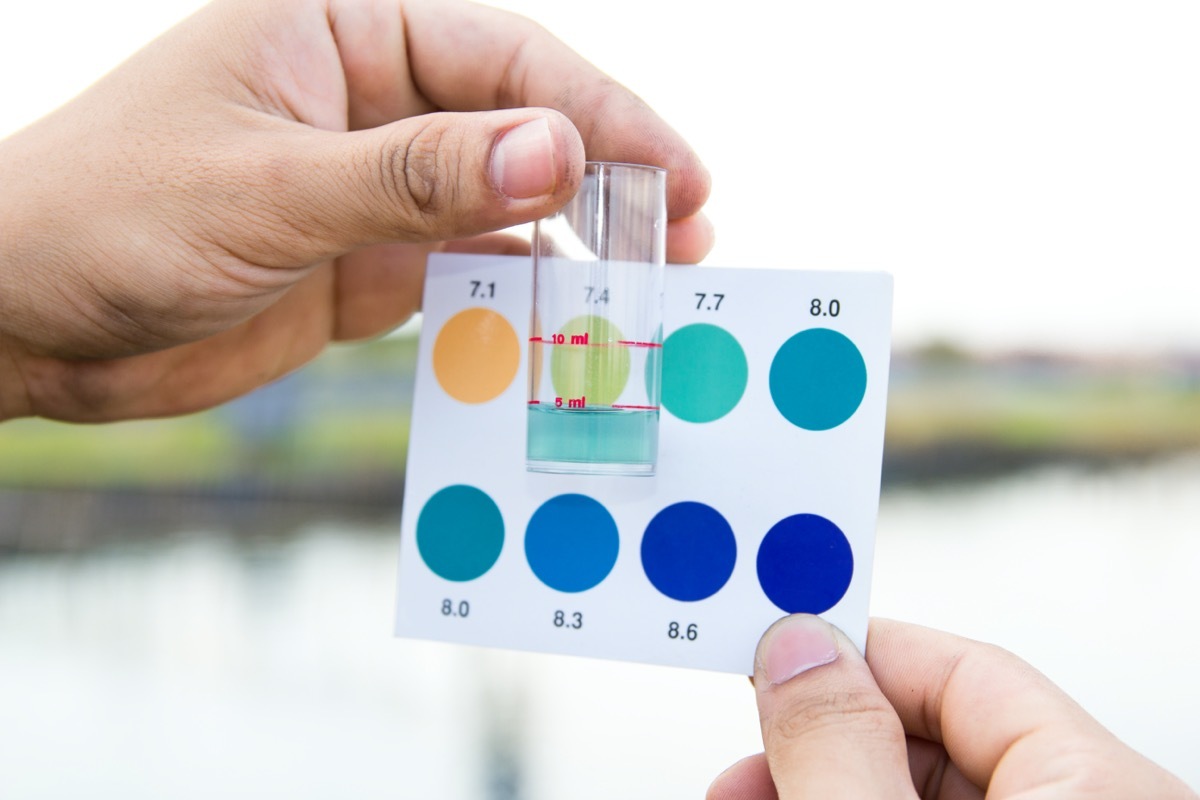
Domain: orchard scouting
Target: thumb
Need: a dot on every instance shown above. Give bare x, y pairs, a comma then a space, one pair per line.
429, 178
827, 729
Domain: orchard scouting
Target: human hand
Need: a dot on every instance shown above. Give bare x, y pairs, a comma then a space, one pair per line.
927, 714
269, 176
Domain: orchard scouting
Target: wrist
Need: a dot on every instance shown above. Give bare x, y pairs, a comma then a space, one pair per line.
14, 390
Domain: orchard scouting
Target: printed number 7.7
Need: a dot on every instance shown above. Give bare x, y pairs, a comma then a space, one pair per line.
700, 298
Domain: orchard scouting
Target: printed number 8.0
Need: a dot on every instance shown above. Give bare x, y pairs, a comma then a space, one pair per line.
451, 609
817, 309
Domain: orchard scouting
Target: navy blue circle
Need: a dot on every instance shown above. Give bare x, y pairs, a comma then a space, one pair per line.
571, 543
805, 564
688, 551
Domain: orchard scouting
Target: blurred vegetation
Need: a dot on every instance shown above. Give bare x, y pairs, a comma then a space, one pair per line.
343, 421
956, 415
343, 418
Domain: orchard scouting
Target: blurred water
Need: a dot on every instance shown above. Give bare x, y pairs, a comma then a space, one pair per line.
201, 666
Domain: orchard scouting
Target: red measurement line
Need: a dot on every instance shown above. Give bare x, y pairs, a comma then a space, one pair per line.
639, 408
538, 340
535, 402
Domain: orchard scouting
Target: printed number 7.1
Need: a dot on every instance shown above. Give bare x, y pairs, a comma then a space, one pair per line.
481, 289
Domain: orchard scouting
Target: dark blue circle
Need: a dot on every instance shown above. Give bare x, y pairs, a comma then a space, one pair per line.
805, 564
688, 551
571, 543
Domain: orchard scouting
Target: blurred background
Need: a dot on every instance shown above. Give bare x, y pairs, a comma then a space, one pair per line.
203, 605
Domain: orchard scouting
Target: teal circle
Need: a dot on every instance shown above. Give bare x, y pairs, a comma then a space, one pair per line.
818, 379
460, 533
704, 372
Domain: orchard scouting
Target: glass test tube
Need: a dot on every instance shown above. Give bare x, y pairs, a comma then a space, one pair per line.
596, 337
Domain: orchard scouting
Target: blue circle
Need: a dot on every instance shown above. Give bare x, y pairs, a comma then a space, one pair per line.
571, 543
460, 533
818, 379
805, 564
688, 551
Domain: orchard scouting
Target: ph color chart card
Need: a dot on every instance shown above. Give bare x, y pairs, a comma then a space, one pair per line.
774, 385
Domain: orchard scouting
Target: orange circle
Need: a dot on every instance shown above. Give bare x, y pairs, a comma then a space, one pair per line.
475, 355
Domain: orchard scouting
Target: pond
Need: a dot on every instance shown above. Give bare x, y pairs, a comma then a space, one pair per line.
202, 664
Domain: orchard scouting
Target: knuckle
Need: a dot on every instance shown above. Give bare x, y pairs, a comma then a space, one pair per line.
257, 205
591, 103
418, 175
867, 713
512, 90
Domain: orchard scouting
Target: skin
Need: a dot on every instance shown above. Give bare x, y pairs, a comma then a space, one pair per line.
926, 714
268, 177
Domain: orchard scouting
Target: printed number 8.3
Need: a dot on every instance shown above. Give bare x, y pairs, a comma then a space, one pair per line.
563, 620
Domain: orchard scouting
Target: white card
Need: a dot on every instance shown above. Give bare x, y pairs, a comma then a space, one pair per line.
764, 502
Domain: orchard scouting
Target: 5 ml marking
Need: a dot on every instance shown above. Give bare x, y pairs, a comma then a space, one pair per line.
702, 296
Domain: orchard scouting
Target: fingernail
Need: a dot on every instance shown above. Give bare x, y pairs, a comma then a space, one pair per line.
794, 645
523, 160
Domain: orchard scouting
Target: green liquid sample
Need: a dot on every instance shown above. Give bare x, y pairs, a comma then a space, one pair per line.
600, 440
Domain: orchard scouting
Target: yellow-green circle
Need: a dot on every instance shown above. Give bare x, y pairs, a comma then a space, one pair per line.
588, 363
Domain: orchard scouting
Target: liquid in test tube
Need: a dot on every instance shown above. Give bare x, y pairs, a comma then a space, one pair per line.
595, 349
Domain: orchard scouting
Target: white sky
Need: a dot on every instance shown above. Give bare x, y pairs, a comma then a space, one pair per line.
1029, 170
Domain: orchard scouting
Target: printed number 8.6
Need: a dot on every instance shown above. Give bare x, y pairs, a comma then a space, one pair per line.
689, 633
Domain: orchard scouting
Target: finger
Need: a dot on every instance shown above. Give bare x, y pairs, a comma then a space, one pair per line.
377, 289
827, 729
935, 776
311, 195
380, 287
501, 244
942, 687
748, 779
466, 56
193, 376
689, 239
1004, 725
